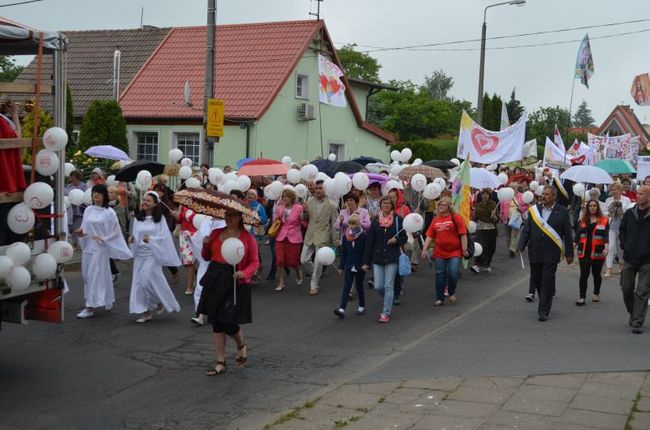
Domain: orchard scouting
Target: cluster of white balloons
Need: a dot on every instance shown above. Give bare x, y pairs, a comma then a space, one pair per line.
402, 156
43, 266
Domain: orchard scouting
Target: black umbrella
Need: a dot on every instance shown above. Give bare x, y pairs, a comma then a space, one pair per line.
326, 166
363, 160
348, 167
130, 172
440, 164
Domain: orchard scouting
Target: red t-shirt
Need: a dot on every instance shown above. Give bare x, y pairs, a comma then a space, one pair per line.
446, 237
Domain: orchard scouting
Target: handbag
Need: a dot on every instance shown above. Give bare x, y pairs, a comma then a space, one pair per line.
275, 228
470, 239
515, 221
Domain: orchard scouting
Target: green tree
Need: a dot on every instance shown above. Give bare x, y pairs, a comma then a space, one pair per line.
103, 124
542, 122
514, 107
437, 85
492, 112
358, 65
582, 117
9, 70
45, 121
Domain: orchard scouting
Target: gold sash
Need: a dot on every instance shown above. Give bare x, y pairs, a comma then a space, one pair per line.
546, 228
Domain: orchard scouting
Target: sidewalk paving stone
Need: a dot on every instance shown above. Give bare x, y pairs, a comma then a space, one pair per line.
602, 404
494, 382
564, 381
643, 404
635, 379
383, 388
497, 396
466, 409
595, 419
431, 422
641, 421
350, 398
544, 392
440, 384
624, 392
521, 403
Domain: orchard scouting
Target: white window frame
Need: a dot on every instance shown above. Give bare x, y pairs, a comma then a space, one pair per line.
178, 133
304, 94
136, 136
341, 150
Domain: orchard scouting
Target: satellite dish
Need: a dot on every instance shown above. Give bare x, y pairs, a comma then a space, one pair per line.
187, 97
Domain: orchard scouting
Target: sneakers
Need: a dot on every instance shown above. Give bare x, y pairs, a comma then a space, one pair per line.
580, 302
383, 318
313, 291
361, 311
339, 313
475, 269
488, 269
144, 319
446, 292
438, 303
198, 321
530, 298
452, 299
595, 298
86, 313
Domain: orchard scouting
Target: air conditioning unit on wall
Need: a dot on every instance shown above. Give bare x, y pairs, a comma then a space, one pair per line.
306, 112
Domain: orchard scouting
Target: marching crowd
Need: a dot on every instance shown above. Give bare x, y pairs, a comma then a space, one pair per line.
606, 225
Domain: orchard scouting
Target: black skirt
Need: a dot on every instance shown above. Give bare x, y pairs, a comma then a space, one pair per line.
217, 297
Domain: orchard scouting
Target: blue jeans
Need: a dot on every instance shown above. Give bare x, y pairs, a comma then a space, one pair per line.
355, 278
447, 271
384, 284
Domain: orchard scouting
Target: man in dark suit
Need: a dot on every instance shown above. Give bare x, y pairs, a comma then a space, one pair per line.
547, 234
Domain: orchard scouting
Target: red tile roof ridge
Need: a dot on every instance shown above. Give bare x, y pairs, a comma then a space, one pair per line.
253, 24
115, 30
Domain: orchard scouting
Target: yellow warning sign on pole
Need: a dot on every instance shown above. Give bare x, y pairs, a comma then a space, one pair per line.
214, 126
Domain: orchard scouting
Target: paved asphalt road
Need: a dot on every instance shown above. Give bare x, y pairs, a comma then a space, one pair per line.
109, 372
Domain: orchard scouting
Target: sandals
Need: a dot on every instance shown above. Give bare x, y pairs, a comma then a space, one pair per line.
215, 372
241, 359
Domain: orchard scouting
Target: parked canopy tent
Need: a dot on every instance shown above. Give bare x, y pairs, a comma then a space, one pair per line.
19, 39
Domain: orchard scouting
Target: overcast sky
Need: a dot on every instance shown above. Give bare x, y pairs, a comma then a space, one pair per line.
542, 75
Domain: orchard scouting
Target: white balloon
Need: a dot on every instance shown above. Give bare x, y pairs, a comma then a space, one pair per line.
76, 197
192, 183
143, 180
579, 189
396, 170
175, 155
66, 202
288, 187
471, 227
391, 185
533, 185
302, 191
38, 195
186, 162
69, 168
503, 178
405, 155
243, 183
395, 155
269, 194
431, 191
539, 191
232, 176
287, 160
456, 161
491, 167
88, 197
331, 189
19, 253
441, 182
55, 139
47, 162
505, 194
198, 220
215, 175
6, 266
478, 249
232, 250
227, 186
325, 256
19, 278
528, 197
332, 157
185, 172
276, 188
44, 266
110, 181
61, 251
309, 172
413, 222
294, 176
321, 176
343, 183
417, 162
360, 181
20, 219
418, 182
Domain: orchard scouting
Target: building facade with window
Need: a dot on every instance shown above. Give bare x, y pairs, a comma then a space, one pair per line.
270, 87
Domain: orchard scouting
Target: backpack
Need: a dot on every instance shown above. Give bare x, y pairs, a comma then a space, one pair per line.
470, 239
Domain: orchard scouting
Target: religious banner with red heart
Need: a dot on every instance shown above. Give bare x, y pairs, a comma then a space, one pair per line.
489, 147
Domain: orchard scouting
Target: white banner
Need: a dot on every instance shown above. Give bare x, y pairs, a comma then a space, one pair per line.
489, 147
530, 148
642, 168
505, 121
331, 88
553, 155
577, 153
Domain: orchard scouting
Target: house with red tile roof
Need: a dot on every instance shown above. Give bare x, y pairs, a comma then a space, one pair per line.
622, 120
267, 75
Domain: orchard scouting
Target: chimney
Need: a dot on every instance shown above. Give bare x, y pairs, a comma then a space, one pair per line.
116, 73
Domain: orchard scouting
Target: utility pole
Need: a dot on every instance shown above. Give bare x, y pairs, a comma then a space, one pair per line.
208, 154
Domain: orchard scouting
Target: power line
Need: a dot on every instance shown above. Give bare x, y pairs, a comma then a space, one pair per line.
19, 3
535, 33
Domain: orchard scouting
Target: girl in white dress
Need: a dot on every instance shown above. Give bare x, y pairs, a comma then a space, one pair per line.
100, 239
153, 248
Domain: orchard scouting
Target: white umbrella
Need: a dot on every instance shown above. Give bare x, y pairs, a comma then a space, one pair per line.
483, 178
587, 175
108, 152
377, 167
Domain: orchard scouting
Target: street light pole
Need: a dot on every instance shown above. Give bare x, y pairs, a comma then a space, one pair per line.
481, 73
208, 154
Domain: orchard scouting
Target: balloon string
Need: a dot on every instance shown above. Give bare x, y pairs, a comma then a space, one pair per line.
235, 287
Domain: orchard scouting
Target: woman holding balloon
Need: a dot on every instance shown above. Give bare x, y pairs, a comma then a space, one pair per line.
485, 218
226, 296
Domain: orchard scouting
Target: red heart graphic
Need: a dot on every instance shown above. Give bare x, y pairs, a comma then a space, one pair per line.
484, 143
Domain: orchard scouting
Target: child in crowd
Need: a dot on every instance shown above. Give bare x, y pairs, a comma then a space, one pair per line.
352, 247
